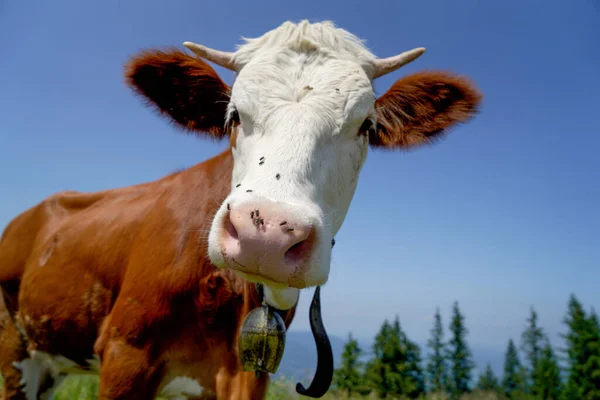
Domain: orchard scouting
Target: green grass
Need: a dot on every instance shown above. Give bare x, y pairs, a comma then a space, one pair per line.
86, 388
78, 388
283, 389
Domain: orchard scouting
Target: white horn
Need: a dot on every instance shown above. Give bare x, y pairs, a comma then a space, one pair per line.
222, 58
386, 65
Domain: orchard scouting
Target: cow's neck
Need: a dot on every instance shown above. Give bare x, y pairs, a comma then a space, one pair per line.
216, 173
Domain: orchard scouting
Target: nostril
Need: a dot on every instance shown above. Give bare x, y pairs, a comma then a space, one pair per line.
230, 228
300, 250
297, 252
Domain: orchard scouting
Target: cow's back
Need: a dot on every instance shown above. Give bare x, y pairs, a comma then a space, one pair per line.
17, 241
77, 224
67, 255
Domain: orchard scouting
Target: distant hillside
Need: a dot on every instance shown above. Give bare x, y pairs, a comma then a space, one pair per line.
300, 356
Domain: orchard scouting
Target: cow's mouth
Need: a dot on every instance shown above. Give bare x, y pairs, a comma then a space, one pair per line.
260, 279
297, 283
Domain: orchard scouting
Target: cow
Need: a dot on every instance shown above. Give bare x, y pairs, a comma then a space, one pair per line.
148, 285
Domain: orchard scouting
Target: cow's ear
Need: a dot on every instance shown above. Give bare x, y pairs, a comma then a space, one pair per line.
184, 88
419, 108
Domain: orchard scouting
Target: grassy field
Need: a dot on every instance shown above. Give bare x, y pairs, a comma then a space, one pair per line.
282, 389
86, 387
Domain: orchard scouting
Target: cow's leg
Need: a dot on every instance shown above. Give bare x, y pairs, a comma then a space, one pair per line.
12, 351
129, 350
127, 372
26, 376
240, 385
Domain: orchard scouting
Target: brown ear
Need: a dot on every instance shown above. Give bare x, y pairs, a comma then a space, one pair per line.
182, 87
418, 108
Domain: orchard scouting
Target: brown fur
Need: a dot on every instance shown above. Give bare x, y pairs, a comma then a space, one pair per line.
183, 87
12, 348
420, 107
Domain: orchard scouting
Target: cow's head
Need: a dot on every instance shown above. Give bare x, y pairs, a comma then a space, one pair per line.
300, 117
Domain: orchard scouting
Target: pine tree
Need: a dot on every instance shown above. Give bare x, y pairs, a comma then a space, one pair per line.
396, 359
583, 353
592, 365
513, 381
549, 385
459, 355
575, 348
437, 366
378, 371
406, 369
414, 375
487, 380
395, 368
348, 376
531, 345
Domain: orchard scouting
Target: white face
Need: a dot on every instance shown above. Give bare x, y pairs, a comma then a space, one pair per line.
299, 150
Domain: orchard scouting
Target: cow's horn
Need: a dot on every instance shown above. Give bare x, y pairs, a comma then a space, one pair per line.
386, 65
222, 58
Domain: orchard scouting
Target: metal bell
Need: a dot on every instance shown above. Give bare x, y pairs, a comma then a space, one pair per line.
262, 340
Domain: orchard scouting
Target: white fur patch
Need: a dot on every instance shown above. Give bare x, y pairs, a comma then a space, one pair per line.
305, 36
302, 92
41, 366
180, 388
282, 299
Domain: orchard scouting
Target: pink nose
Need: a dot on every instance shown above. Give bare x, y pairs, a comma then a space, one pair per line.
263, 239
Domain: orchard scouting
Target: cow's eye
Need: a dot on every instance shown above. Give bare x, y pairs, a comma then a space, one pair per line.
366, 128
234, 118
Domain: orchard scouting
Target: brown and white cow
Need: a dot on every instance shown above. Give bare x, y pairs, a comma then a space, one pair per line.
147, 285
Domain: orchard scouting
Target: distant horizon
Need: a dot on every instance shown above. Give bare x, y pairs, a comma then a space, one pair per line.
300, 323
482, 353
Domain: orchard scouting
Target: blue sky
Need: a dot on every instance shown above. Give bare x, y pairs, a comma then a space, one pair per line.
501, 215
